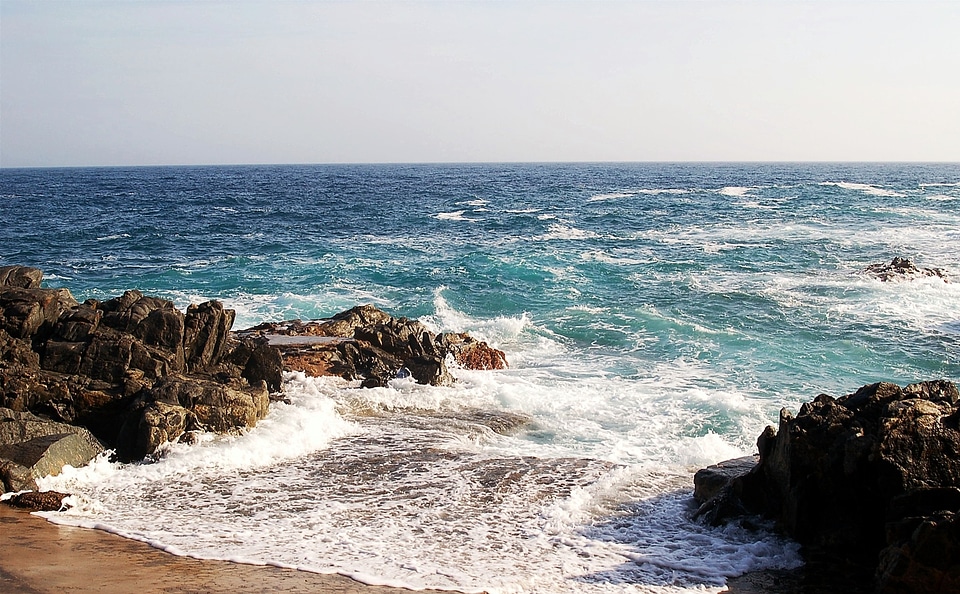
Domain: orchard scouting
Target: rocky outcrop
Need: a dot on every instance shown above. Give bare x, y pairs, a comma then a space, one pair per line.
902, 269
367, 344
32, 447
134, 370
870, 478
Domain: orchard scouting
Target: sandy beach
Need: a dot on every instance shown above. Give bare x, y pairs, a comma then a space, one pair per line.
39, 557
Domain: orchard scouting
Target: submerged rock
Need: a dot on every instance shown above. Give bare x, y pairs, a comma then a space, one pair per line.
872, 477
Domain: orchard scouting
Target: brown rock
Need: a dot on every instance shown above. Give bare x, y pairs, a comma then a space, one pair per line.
38, 501
22, 277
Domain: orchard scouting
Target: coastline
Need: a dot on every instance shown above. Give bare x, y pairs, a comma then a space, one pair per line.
40, 557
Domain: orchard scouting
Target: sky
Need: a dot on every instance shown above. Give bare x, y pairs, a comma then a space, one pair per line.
162, 83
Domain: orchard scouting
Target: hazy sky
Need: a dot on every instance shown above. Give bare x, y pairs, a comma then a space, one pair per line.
117, 83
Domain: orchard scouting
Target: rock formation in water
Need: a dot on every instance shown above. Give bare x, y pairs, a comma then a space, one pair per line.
138, 373
368, 344
871, 478
133, 370
902, 269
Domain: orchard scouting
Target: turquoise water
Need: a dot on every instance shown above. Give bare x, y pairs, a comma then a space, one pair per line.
656, 317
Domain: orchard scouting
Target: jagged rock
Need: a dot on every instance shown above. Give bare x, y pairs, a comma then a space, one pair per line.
38, 501
206, 333
471, 353
902, 269
860, 474
156, 424
368, 344
32, 447
22, 277
257, 362
96, 364
25, 313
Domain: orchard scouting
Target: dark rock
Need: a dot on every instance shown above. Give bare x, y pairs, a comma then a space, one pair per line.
104, 365
156, 424
206, 333
21, 277
32, 313
258, 362
709, 481
927, 561
368, 344
38, 501
902, 269
871, 476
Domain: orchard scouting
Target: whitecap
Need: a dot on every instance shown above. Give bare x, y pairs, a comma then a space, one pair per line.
609, 196
566, 232
865, 188
735, 191
456, 215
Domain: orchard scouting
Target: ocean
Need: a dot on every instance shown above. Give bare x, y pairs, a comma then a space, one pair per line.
656, 317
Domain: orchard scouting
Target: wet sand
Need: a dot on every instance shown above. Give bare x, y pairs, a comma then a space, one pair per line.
37, 557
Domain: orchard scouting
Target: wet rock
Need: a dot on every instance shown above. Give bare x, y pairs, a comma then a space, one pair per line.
156, 424
858, 477
901, 269
471, 353
711, 480
32, 447
367, 344
38, 501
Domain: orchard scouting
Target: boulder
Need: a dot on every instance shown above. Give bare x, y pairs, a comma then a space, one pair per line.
206, 334
901, 269
156, 424
32, 447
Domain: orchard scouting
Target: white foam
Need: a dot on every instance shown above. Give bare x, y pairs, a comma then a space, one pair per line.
456, 215
735, 191
565, 232
398, 485
606, 258
610, 196
865, 188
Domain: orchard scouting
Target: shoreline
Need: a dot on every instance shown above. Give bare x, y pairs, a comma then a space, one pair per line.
40, 557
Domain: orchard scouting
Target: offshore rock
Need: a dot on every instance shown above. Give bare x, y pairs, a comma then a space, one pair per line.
109, 365
902, 269
367, 344
32, 447
871, 478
